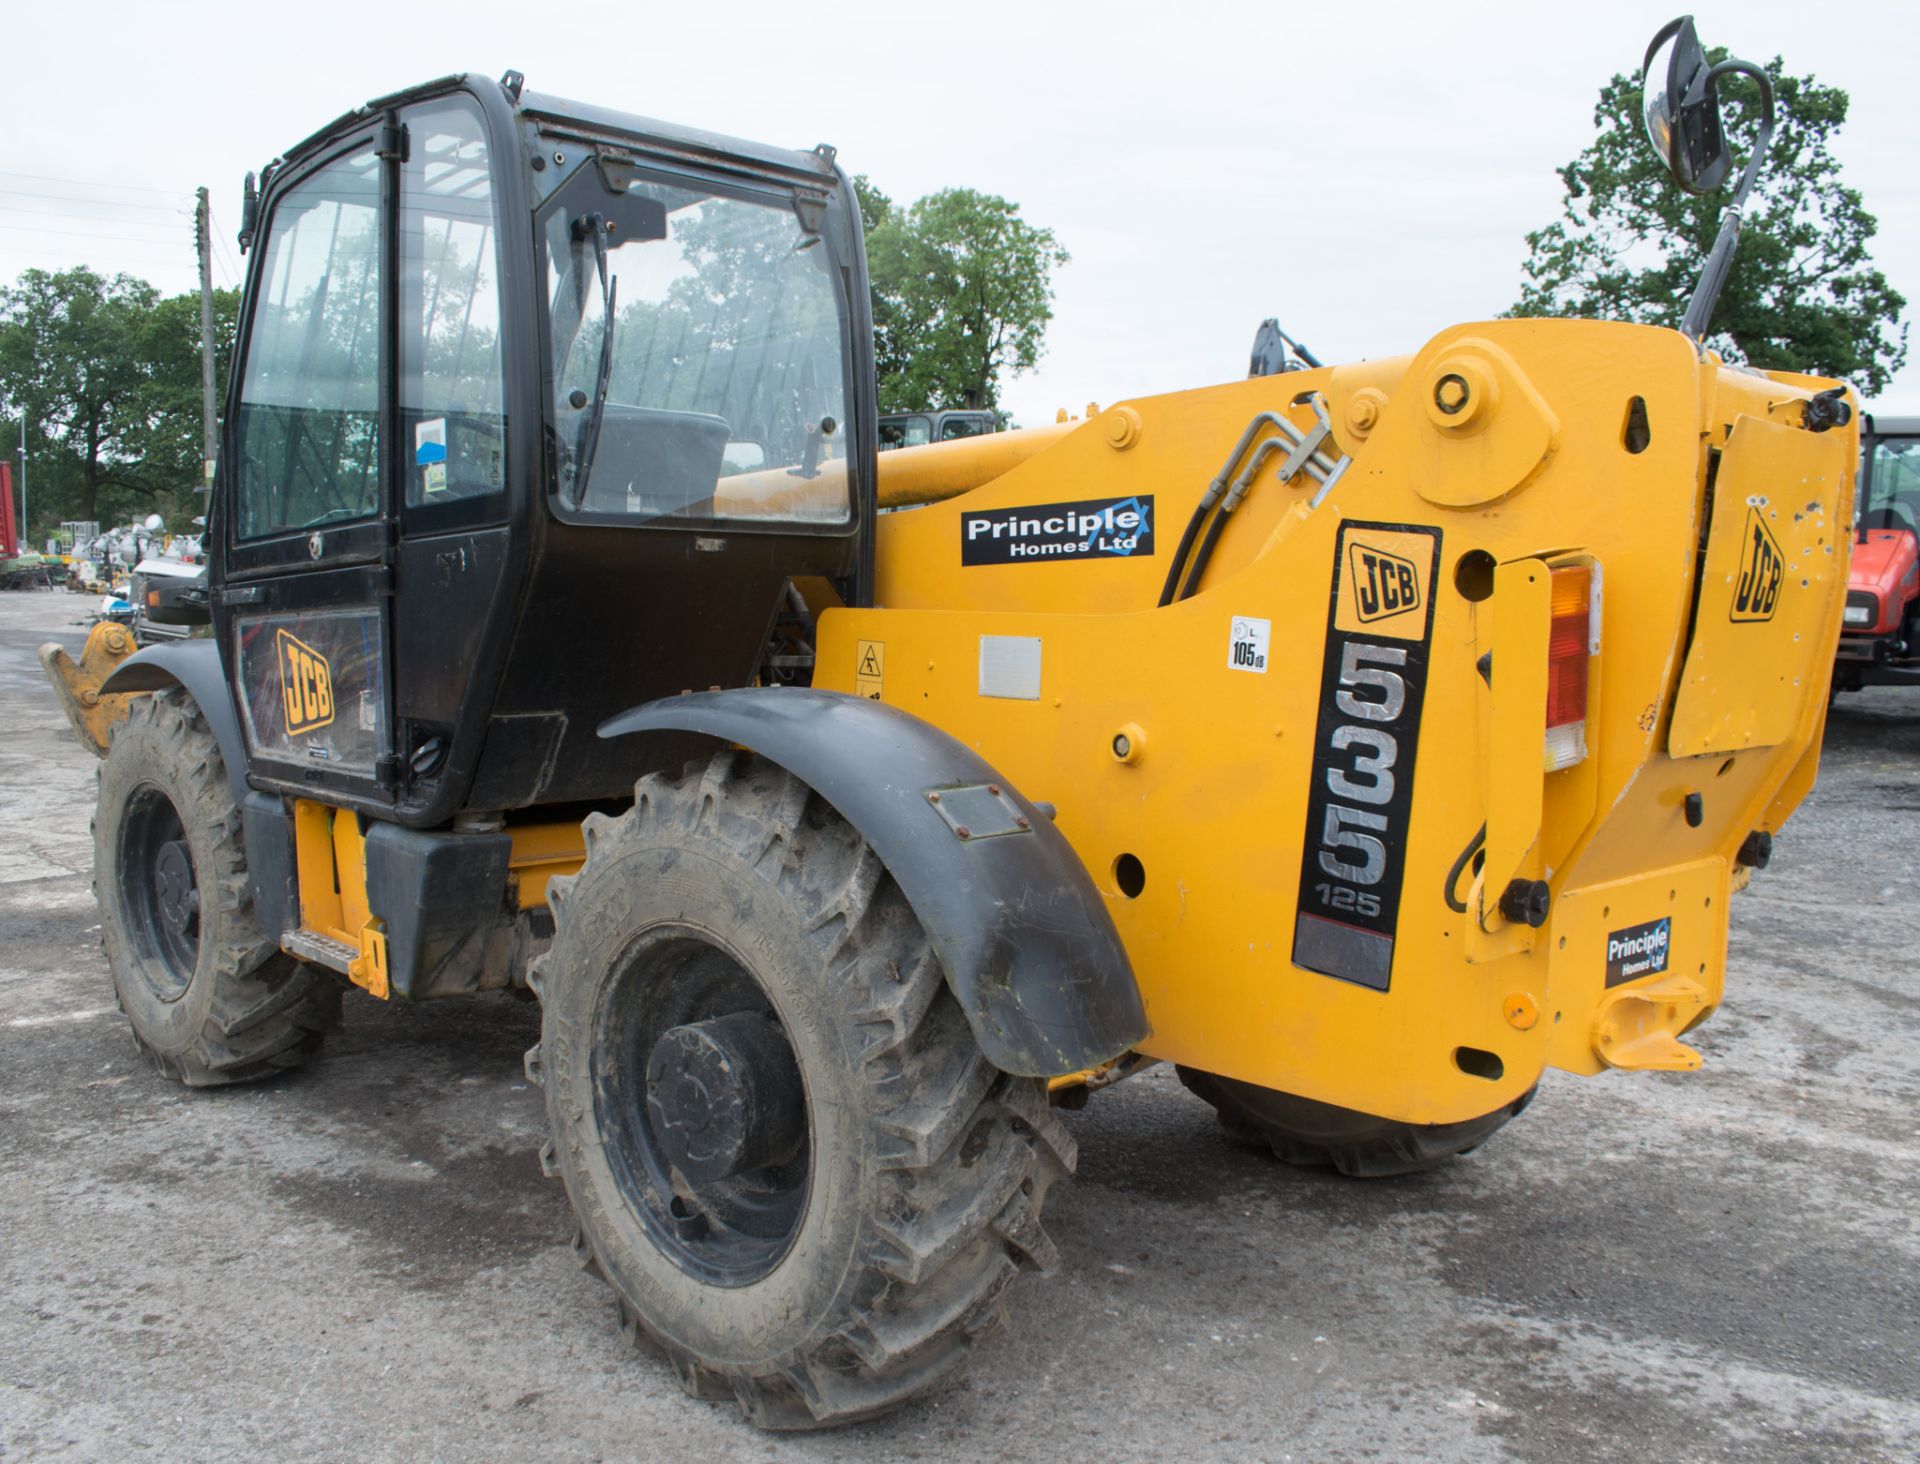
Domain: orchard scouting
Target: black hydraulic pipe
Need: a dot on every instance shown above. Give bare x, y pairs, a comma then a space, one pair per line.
1267, 448
1206, 553
1212, 496
1200, 509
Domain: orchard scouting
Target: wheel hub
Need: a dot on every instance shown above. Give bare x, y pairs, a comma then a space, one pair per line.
155, 890
724, 1096
174, 893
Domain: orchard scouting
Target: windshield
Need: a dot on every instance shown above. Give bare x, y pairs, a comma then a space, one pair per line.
1894, 483
727, 360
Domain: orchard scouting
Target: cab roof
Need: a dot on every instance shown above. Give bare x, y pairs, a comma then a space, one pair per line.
558, 113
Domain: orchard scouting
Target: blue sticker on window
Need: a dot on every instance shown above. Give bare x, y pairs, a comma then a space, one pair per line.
430, 441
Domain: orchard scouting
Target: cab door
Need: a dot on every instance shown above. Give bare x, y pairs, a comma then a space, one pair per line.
302, 603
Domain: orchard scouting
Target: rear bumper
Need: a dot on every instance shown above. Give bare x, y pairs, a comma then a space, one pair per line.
1635, 964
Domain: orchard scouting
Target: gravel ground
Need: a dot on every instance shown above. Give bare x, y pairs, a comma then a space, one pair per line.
362, 1261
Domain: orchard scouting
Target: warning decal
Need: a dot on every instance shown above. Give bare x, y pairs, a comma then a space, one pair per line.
1247, 640
869, 668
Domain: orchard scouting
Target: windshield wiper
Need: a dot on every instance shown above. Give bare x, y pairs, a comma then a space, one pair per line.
596, 225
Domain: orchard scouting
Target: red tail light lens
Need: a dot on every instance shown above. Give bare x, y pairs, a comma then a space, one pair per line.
1569, 644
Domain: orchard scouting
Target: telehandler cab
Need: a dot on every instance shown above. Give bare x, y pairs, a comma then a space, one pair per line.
1363, 739
1880, 641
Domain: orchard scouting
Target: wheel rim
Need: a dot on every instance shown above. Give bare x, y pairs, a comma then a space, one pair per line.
701, 1107
159, 893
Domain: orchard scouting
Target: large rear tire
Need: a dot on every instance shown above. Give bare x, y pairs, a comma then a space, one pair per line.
785, 1151
1310, 1134
210, 1000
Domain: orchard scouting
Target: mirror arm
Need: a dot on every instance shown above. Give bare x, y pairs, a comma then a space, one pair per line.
1713, 278
1729, 67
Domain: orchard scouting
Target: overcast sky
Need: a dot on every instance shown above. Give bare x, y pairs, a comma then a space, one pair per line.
1367, 173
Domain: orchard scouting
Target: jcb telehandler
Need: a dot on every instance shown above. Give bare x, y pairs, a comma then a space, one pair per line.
1362, 739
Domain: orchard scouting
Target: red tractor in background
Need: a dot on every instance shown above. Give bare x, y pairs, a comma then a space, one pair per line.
1880, 640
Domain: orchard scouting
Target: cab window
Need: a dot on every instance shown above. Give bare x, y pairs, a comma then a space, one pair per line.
699, 356
308, 430
954, 427
905, 432
1895, 483
452, 401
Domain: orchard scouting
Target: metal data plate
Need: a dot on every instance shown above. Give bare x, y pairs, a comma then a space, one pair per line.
1010, 666
979, 811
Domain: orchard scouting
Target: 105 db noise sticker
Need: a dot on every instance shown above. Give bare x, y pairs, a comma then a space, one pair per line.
1373, 682
1094, 528
1247, 644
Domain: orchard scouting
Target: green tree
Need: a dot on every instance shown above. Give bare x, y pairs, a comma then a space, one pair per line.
962, 293
107, 373
1804, 294
168, 444
875, 207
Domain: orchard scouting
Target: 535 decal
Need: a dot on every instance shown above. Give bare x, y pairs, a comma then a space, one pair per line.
1373, 683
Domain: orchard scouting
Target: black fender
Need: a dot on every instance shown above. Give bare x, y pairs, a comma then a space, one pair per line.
195, 666
1021, 931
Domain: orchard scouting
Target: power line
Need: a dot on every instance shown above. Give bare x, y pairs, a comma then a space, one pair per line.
116, 246
35, 259
232, 264
112, 247
91, 202
83, 183
107, 225
105, 221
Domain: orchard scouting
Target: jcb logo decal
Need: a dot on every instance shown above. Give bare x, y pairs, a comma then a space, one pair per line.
1383, 584
1756, 592
306, 683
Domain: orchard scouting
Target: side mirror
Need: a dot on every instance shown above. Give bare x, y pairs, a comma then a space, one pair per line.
1683, 119
1683, 108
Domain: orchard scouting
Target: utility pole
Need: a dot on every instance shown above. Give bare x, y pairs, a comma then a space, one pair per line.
202, 239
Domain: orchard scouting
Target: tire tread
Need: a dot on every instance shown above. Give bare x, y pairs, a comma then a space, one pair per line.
269, 1013
966, 1153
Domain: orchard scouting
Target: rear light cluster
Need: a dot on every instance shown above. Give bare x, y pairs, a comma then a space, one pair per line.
1572, 641
1863, 607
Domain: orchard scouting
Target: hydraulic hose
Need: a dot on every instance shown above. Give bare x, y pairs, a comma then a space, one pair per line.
1200, 511
1212, 496
1206, 553
1304, 455
1267, 448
